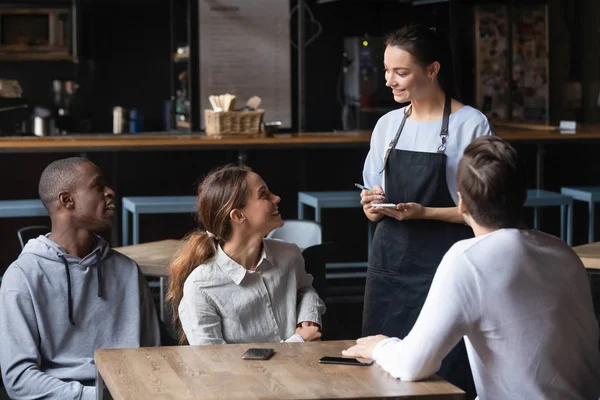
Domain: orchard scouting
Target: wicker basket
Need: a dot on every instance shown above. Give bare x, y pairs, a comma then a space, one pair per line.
238, 123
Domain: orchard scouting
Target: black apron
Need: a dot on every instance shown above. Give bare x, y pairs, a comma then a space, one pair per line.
405, 254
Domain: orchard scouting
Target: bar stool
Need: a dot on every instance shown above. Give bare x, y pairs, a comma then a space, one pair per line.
22, 208
338, 199
589, 194
152, 205
537, 198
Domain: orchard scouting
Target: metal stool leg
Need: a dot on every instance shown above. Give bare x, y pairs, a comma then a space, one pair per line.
318, 213
300, 210
125, 227
536, 218
136, 228
563, 229
570, 224
591, 222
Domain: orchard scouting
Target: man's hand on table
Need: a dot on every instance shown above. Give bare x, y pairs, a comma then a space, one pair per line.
364, 347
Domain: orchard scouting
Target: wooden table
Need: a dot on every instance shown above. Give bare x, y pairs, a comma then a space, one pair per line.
153, 259
218, 372
518, 133
590, 255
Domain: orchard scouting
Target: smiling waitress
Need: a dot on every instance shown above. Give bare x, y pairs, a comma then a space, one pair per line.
412, 163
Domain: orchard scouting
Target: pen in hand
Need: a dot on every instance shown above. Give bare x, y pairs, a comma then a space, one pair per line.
361, 187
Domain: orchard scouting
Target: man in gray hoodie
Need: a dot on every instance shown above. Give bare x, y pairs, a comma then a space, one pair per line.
68, 293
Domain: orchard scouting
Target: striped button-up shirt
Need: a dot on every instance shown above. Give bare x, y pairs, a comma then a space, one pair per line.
225, 303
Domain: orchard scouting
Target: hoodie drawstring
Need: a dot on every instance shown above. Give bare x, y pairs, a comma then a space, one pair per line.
99, 269
69, 296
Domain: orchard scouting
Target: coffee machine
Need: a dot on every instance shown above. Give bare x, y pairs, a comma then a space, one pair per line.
12, 112
64, 93
13, 108
365, 98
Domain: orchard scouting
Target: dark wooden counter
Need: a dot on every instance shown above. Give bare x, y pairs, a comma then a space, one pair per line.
166, 141
529, 135
197, 141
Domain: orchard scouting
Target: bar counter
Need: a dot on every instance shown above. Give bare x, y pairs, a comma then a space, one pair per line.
198, 141
176, 141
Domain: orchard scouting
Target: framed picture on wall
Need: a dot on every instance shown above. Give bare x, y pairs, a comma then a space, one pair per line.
512, 62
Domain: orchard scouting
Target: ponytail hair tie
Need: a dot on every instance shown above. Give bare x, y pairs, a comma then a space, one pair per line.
211, 235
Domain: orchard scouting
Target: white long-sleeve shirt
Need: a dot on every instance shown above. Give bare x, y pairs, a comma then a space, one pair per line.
522, 301
225, 303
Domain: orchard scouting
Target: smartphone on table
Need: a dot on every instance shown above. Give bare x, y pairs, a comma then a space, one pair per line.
258, 354
363, 362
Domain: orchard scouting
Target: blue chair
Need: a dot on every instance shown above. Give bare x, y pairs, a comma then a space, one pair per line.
307, 235
152, 205
589, 194
301, 232
321, 200
537, 198
337, 199
22, 208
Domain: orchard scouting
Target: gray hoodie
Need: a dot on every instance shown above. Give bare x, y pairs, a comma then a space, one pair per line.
56, 309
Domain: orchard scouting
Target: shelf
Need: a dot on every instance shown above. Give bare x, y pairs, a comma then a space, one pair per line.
180, 58
37, 57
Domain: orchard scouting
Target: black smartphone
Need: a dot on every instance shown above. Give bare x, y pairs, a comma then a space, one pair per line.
258, 354
345, 361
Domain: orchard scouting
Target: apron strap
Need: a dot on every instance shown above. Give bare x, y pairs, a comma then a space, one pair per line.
445, 122
394, 141
443, 132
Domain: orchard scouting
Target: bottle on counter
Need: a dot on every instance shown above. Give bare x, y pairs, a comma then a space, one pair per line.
119, 120
135, 121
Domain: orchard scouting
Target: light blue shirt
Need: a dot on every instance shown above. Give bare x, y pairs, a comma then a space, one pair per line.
464, 125
225, 303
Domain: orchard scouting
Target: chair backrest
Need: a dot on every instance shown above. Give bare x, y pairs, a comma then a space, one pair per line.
315, 258
303, 233
31, 232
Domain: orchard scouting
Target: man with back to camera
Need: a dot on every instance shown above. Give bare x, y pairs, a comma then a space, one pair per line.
68, 293
521, 298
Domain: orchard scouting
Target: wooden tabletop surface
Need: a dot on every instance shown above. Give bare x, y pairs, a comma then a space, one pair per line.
198, 141
152, 257
589, 254
218, 372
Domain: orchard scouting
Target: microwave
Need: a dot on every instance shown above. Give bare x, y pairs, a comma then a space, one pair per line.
37, 34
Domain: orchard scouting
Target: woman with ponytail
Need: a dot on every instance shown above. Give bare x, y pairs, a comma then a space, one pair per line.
230, 285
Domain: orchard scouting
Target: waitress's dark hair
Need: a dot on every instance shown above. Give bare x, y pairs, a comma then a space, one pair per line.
427, 44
